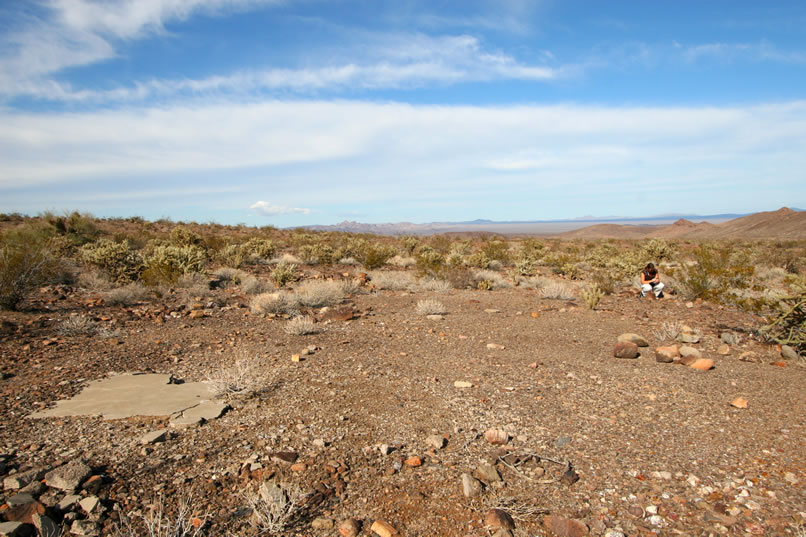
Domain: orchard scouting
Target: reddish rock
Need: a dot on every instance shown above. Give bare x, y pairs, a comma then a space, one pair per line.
498, 518
287, 457
350, 528
686, 360
413, 461
338, 313
702, 364
24, 513
565, 527
625, 349
666, 355
383, 529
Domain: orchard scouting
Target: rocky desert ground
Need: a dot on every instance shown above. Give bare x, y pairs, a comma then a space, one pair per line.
506, 414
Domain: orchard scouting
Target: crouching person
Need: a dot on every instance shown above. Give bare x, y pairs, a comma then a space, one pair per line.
650, 281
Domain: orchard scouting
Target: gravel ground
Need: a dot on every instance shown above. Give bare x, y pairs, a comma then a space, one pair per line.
630, 447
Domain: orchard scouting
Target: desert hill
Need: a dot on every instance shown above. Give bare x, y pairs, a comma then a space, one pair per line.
781, 224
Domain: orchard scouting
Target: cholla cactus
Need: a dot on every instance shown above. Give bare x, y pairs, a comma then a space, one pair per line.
592, 295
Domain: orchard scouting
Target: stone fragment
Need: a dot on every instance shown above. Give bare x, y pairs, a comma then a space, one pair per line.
24, 512
350, 528
725, 520
633, 338
666, 476
436, 441
68, 502
471, 487
322, 523
383, 529
337, 313
196, 314
749, 356
68, 477
788, 353
413, 461
45, 525
496, 437
686, 351
723, 349
625, 349
739, 402
89, 504
565, 527
686, 360
498, 518
15, 529
492, 310
154, 437
87, 528
667, 355
462, 384
487, 473
688, 335
285, 457
612, 533
434, 317
702, 364
729, 338
495, 346
22, 479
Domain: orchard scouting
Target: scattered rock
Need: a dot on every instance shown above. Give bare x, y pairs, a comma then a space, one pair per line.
285, 457
434, 317
686, 351
625, 349
729, 338
15, 529
725, 520
337, 313
666, 476
702, 364
154, 437
436, 441
413, 461
667, 355
749, 356
723, 349
67, 503
498, 518
84, 527
350, 528
788, 353
471, 487
22, 479
492, 310
565, 527
202, 412
321, 523
496, 437
45, 525
633, 338
462, 384
739, 402
495, 346
487, 473
69, 476
686, 360
24, 512
89, 504
383, 529
688, 335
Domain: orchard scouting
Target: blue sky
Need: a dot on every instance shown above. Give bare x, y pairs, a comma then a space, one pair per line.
294, 112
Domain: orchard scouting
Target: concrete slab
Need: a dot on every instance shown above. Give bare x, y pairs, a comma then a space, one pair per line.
124, 396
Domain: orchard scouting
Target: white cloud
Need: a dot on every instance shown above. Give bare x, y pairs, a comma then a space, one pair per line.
267, 209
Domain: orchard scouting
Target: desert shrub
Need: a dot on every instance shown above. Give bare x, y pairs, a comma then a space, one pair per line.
316, 254
531, 249
77, 325
165, 264
256, 248
455, 259
229, 275
610, 267
301, 326
158, 523
558, 291
712, 275
410, 244
658, 249
192, 280
245, 378
26, 263
78, 228
525, 266
393, 281
496, 250
400, 261
231, 255
284, 273
318, 294
489, 280
184, 236
433, 285
126, 295
116, 258
430, 306
477, 260
288, 259
460, 278
349, 261
430, 262
93, 280
254, 286
787, 326
374, 255
278, 303
275, 510
591, 295
534, 282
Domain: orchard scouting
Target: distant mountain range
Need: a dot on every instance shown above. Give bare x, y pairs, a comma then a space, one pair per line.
784, 223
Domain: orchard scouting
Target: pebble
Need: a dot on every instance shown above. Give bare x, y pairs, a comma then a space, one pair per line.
739, 402
321, 523
789, 353
498, 518
487, 473
565, 527
436, 441
634, 338
667, 355
383, 529
69, 476
462, 384
496, 437
349, 528
686, 352
625, 349
154, 437
723, 349
702, 364
471, 487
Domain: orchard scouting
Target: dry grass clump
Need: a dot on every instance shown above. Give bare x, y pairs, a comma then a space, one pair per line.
400, 261
434, 285
230, 275
278, 303
489, 279
157, 523
393, 281
275, 509
318, 294
430, 306
127, 295
668, 331
349, 261
78, 325
94, 281
255, 286
534, 282
192, 280
301, 326
245, 378
558, 291
287, 259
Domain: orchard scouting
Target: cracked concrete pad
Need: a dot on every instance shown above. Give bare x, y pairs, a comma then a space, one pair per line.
206, 411
125, 396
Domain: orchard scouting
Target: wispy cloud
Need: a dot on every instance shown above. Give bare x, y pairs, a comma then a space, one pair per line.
761, 51
265, 208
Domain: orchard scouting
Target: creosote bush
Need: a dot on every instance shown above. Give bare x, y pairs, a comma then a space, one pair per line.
26, 263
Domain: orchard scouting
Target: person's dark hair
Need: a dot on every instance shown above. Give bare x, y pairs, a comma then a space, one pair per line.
650, 269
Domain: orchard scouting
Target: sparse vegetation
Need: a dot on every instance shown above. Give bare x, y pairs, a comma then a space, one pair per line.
318, 294
282, 302
78, 325
26, 263
430, 306
301, 326
126, 295
284, 273
591, 295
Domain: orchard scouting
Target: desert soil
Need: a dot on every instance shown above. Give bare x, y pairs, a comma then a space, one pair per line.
658, 448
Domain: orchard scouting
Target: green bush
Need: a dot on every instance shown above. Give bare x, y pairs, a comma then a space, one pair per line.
284, 273
374, 255
430, 262
713, 275
256, 248
116, 258
26, 263
317, 254
591, 296
184, 236
658, 250
496, 251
